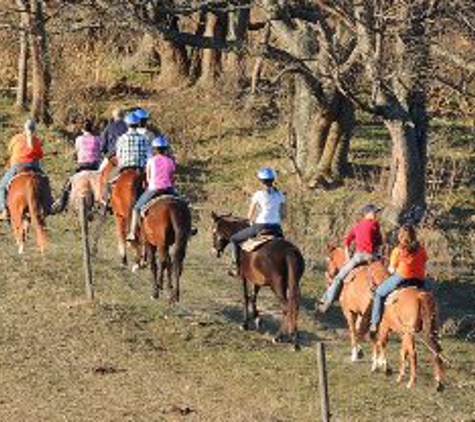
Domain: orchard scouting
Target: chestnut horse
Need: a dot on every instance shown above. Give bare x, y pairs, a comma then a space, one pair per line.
411, 311
29, 199
356, 297
166, 226
277, 264
125, 191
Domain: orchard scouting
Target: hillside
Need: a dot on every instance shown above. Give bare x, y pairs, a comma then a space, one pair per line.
127, 358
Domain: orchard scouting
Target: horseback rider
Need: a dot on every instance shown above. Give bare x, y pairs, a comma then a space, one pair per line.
88, 154
143, 129
26, 152
112, 132
160, 174
407, 263
266, 212
132, 150
366, 234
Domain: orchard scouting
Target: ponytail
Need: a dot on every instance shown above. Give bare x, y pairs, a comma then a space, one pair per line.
407, 238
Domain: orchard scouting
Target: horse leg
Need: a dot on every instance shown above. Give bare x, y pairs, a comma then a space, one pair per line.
280, 290
121, 228
351, 321
402, 362
382, 361
255, 312
151, 252
176, 270
245, 325
412, 360
18, 231
163, 260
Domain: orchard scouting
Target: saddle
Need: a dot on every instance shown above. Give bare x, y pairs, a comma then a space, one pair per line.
407, 284
254, 243
153, 201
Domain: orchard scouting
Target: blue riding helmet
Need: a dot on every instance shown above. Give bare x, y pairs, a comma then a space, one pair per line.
160, 142
266, 173
142, 113
131, 119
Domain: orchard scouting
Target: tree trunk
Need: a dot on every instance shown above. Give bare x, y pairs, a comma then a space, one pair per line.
22, 87
174, 63
406, 116
236, 60
322, 135
211, 63
41, 73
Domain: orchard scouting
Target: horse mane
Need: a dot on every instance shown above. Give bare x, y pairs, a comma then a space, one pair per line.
229, 218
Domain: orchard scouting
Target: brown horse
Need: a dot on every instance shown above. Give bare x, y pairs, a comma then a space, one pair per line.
27, 202
410, 311
356, 296
125, 191
166, 225
277, 264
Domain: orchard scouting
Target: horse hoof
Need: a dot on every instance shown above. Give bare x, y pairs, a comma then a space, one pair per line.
297, 347
440, 387
278, 339
135, 268
154, 296
258, 323
388, 372
245, 327
410, 385
360, 354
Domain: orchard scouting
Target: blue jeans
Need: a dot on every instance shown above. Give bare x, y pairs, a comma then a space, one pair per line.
8, 177
148, 195
333, 291
249, 232
382, 292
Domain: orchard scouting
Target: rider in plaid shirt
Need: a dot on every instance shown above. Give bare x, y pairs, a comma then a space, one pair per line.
132, 147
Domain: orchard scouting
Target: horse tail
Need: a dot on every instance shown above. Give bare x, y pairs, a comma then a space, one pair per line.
428, 311
180, 217
35, 211
429, 316
295, 270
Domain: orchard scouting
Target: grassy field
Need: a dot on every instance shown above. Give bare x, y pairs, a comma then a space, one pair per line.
128, 358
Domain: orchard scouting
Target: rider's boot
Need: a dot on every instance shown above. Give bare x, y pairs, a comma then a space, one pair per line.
234, 269
134, 225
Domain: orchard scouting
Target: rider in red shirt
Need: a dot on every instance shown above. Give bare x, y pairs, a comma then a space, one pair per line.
366, 235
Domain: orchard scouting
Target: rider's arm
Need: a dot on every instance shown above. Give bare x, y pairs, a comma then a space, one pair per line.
251, 216
394, 260
283, 210
349, 239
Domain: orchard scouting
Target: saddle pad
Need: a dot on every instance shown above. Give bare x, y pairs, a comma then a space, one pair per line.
254, 243
393, 297
153, 201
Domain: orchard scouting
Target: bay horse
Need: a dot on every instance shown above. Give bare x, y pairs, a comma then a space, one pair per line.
124, 193
29, 199
356, 297
278, 264
166, 229
409, 312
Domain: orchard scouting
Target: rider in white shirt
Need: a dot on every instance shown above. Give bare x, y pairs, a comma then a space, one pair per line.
266, 213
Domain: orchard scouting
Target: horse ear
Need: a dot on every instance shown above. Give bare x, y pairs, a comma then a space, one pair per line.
214, 216
330, 247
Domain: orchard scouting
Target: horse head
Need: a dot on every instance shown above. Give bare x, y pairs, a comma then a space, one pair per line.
335, 260
224, 226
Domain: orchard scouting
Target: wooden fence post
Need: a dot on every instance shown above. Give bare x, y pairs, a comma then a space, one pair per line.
86, 249
323, 382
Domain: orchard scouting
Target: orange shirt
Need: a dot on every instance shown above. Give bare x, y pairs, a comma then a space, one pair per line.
409, 265
20, 151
